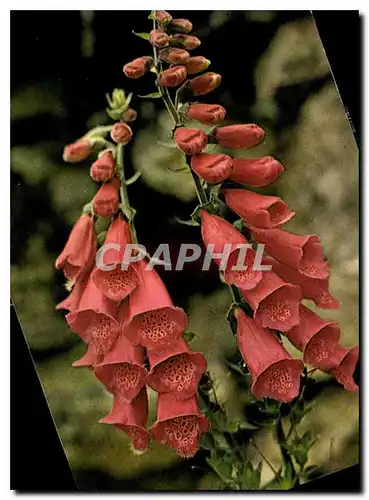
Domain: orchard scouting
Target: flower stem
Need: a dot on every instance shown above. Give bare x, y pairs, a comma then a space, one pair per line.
124, 192
281, 439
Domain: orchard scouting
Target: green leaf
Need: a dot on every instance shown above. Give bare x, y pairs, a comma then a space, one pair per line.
189, 336
222, 466
187, 222
153, 95
145, 36
233, 427
238, 224
248, 426
101, 238
206, 442
250, 477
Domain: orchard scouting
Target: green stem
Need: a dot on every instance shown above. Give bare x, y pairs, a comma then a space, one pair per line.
123, 189
282, 441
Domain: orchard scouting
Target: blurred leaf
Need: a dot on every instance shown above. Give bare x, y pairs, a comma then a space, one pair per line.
153, 95
41, 98
222, 466
206, 442
187, 222
238, 224
189, 336
247, 426
250, 477
145, 36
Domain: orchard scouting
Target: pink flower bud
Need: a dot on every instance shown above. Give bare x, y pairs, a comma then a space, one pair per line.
159, 38
172, 55
138, 67
172, 77
204, 84
103, 168
239, 136
121, 133
181, 25
256, 172
130, 115
78, 151
213, 168
347, 357
274, 373
106, 201
187, 42
206, 113
197, 64
161, 16
190, 140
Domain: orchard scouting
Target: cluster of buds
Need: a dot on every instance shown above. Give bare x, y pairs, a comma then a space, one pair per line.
134, 333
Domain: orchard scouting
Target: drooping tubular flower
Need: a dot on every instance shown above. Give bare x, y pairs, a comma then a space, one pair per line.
346, 359
206, 113
159, 38
313, 289
154, 321
96, 319
203, 84
89, 360
71, 302
197, 64
213, 168
179, 424
176, 369
138, 67
181, 25
172, 55
103, 168
218, 232
239, 136
78, 151
116, 283
187, 42
106, 201
122, 371
275, 302
173, 76
258, 209
274, 373
190, 140
303, 253
131, 417
256, 172
78, 255
317, 338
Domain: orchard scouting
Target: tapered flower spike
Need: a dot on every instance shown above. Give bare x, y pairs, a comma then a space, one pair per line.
190, 140
176, 369
274, 373
260, 210
179, 424
131, 417
313, 289
275, 303
173, 55
346, 359
154, 321
218, 232
213, 168
239, 136
206, 113
78, 151
89, 360
103, 168
96, 319
203, 84
78, 255
316, 338
256, 172
122, 370
106, 201
173, 76
117, 283
304, 253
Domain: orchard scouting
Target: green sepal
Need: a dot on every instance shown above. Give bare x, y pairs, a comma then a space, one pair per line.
153, 95
145, 36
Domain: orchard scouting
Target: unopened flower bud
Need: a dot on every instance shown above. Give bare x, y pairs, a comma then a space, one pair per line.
204, 84
197, 64
190, 140
172, 77
173, 55
121, 133
181, 25
161, 16
130, 115
239, 136
159, 38
138, 67
103, 168
206, 113
213, 168
78, 151
106, 201
187, 42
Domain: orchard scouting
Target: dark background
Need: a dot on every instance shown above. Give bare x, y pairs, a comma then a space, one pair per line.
37, 459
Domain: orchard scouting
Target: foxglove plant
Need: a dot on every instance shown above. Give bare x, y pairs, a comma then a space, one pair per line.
136, 337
